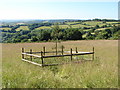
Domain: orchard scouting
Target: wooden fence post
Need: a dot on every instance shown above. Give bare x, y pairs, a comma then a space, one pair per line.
22, 52
71, 53
93, 53
62, 49
76, 50
31, 53
56, 47
44, 51
42, 57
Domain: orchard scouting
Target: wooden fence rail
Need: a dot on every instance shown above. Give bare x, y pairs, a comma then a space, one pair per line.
45, 52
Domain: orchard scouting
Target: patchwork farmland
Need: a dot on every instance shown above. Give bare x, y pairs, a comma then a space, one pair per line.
67, 29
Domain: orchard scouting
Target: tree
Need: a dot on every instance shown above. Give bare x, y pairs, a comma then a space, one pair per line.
34, 39
73, 34
97, 26
56, 31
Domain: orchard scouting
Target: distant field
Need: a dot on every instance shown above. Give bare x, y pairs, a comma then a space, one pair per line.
44, 27
5, 29
100, 73
103, 28
111, 22
69, 24
79, 26
86, 29
64, 26
22, 28
72, 23
93, 23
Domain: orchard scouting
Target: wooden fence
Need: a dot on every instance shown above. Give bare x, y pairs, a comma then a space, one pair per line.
44, 52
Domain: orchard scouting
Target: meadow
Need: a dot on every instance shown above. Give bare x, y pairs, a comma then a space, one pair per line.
22, 28
100, 73
76, 24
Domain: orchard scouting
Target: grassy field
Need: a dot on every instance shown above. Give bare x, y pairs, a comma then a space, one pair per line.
43, 27
77, 25
93, 23
6, 29
64, 26
100, 73
104, 28
22, 28
69, 24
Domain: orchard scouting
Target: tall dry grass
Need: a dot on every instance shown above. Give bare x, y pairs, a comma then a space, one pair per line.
100, 73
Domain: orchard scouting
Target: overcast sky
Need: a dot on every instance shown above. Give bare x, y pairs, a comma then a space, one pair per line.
58, 9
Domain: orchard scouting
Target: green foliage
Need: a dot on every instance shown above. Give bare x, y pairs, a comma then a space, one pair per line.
73, 34
97, 26
116, 35
56, 32
89, 30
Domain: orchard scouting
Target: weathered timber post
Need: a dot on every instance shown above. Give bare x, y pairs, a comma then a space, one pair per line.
31, 53
42, 57
76, 50
71, 53
22, 52
62, 49
44, 51
56, 47
93, 53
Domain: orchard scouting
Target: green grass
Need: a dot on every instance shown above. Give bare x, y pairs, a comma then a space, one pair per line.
6, 29
86, 29
72, 23
93, 23
92, 33
79, 26
22, 28
43, 27
100, 73
111, 22
0, 66
64, 26
103, 28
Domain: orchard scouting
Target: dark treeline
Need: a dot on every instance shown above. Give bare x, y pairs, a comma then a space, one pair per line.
41, 35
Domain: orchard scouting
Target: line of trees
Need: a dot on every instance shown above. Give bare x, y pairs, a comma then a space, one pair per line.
58, 33
32, 35
41, 35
